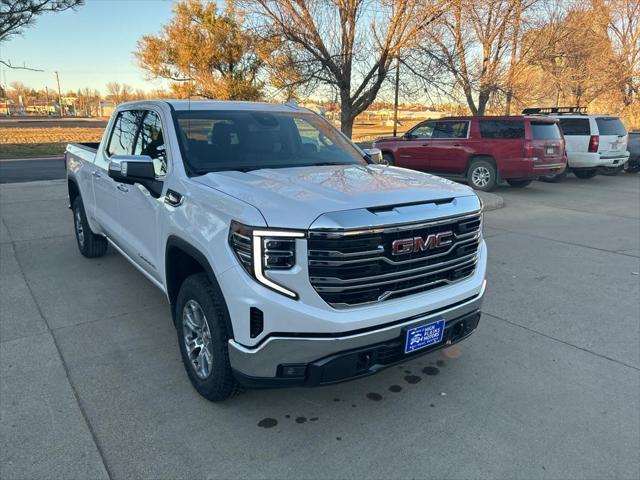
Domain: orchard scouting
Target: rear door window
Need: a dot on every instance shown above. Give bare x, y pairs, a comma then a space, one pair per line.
545, 131
450, 130
124, 131
610, 126
575, 126
502, 129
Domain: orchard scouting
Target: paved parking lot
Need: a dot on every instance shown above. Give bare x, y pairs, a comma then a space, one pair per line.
548, 387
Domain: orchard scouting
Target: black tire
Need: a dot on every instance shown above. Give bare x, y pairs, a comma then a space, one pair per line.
611, 171
632, 169
555, 178
388, 158
518, 183
220, 382
586, 173
89, 244
482, 175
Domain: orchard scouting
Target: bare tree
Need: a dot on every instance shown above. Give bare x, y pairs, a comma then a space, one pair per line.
15, 15
345, 45
468, 45
119, 92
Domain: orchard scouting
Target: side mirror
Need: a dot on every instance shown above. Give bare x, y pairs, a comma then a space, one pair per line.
132, 169
375, 154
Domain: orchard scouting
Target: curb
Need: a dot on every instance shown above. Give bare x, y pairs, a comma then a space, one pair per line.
491, 201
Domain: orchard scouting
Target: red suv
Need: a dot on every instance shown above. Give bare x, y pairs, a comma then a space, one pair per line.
481, 150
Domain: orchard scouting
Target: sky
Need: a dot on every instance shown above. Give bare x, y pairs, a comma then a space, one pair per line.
89, 47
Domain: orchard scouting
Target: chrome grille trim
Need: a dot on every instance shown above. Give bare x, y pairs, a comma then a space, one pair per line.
328, 233
430, 269
347, 277
471, 261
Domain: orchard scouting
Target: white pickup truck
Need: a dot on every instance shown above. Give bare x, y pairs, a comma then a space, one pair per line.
287, 255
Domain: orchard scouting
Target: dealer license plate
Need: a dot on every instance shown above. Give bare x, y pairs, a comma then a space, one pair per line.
424, 336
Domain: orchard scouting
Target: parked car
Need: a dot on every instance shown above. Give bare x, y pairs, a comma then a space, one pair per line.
594, 142
633, 146
286, 255
480, 150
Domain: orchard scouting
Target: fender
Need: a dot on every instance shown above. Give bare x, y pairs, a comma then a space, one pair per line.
172, 290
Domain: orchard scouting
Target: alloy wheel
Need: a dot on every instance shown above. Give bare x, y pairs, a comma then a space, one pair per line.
480, 176
79, 229
197, 338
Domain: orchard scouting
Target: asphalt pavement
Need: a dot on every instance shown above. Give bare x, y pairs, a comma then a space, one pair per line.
92, 384
32, 169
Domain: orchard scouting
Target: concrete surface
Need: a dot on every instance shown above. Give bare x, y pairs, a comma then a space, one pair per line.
548, 387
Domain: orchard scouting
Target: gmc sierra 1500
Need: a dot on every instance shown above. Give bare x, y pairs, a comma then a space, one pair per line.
287, 255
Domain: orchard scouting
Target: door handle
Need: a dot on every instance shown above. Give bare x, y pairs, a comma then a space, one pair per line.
457, 144
96, 174
425, 144
122, 188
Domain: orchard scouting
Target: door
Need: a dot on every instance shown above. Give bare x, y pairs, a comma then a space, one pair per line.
448, 149
411, 151
613, 137
547, 145
105, 189
139, 210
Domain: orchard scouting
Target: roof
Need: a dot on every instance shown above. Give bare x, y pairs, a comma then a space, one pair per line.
500, 117
186, 105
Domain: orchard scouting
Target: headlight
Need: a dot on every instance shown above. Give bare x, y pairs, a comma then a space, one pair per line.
260, 250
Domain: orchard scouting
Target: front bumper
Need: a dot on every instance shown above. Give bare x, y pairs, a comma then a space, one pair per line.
325, 358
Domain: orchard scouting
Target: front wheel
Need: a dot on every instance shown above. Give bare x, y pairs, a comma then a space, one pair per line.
203, 337
518, 183
482, 175
585, 173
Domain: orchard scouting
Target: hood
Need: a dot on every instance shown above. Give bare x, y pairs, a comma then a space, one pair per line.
295, 197
387, 139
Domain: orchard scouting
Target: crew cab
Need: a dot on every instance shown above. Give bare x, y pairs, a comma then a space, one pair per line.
481, 150
286, 254
593, 142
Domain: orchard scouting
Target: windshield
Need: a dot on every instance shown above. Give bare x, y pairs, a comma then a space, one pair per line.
610, 126
215, 140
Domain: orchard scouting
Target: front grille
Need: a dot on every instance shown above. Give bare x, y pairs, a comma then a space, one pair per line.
352, 268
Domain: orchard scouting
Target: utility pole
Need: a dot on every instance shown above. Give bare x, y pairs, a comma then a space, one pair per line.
46, 92
59, 93
395, 103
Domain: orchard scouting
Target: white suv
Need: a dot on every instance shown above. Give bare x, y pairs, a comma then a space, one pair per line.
593, 142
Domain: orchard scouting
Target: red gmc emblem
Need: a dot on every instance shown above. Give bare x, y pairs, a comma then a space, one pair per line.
420, 244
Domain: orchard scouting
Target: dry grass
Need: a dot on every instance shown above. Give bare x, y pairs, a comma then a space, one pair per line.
30, 135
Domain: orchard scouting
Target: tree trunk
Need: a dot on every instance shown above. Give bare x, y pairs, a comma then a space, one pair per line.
346, 114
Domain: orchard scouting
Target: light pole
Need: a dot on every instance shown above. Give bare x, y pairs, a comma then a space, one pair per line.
59, 93
395, 102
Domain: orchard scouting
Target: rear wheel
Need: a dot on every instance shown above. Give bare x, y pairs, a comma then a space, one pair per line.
555, 177
611, 171
203, 337
519, 183
482, 175
585, 173
632, 169
89, 244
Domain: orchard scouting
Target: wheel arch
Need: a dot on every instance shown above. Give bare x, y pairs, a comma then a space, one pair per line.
182, 260
73, 189
480, 156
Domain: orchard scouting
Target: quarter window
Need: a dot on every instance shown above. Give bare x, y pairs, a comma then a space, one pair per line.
123, 134
151, 142
501, 129
575, 126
